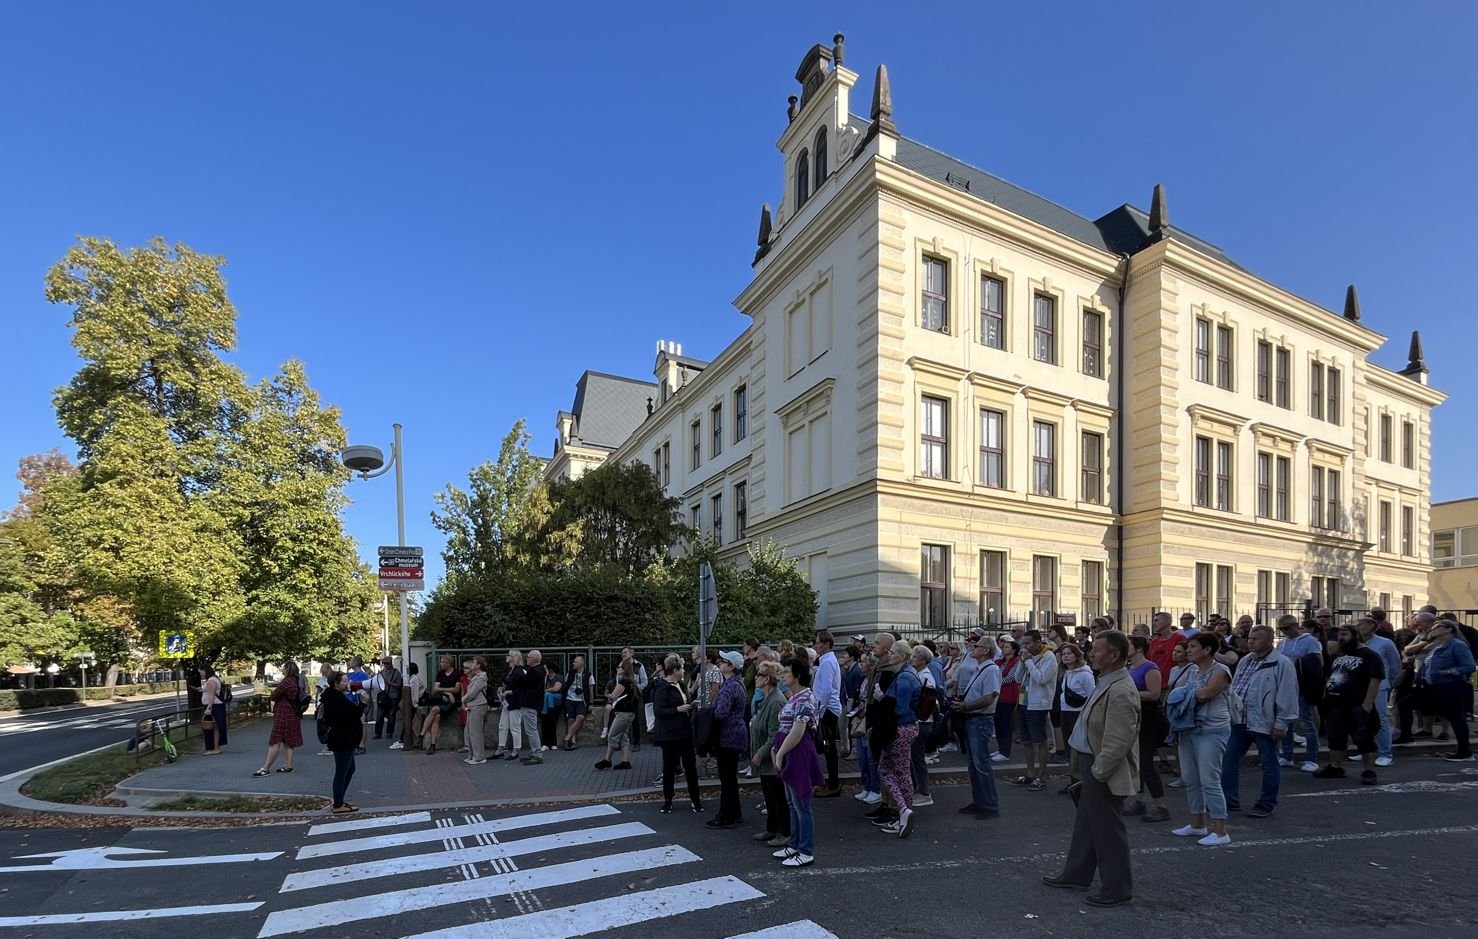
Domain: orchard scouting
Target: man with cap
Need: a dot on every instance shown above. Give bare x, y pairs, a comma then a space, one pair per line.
733, 738
826, 687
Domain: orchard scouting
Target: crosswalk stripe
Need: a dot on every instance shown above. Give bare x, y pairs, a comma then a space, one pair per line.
453, 831
100, 916
337, 912
582, 919
360, 824
493, 852
805, 929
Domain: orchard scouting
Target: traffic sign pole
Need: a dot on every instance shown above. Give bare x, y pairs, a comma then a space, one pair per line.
405, 614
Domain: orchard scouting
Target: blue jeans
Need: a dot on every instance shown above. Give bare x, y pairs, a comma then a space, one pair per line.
867, 766
1383, 711
978, 731
343, 772
802, 824
1201, 753
1240, 741
1304, 726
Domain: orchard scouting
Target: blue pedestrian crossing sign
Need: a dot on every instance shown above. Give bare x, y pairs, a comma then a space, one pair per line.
176, 644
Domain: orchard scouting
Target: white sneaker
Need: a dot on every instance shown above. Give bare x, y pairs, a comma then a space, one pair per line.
948, 748
397, 745
905, 822
1175, 784
1310, 767
1298, 741
1189, 831
862, 796
892, 828
1384, 761
873, 798
798, 860
921, 801
784, 853
325, 753
1283, 762
999, 758
1214, 839
930, 760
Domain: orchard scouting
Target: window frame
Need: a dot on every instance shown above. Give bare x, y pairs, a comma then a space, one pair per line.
1265, 465
1264, 371
741, 510
932, 592
1050, 608
818, 159
1047, 463
1282, 486
996, 590
1226, 463
996, 454
1092, 600
1386, 446
802, 178
1091, 483
1282, 378
741, 412
1093, 343
929, 443
666, 462
1333, 395
1385, 512
988, 314
1408, 530
1040, 333
1202, 367
1316, 390
1203, 457
1408, 444
716, 434
1316, 496
717, 508
697, 455
940, 297
1226, 339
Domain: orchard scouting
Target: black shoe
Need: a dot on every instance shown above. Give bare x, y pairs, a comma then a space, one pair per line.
881, 811
722, 823
1234, 806
986, 815
666, 808
697, 808
1367, 777
970, 809
622, 765
1098, 899
1459, 758
1329, 772
1064, 883
1259, 811
1401, 742
532, 760
885, 820
602, 764
824, 792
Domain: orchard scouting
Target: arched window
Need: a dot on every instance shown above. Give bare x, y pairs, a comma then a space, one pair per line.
802, 179
820, 150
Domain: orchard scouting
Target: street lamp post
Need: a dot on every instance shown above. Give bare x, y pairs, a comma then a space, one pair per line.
369, 462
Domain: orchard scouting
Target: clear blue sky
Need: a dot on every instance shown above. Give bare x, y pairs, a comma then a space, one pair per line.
449, 210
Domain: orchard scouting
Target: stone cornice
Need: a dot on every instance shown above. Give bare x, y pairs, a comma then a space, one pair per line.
814, 398
1397, 384
1204, 414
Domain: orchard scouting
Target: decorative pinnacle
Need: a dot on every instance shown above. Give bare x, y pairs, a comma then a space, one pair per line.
882, 98
791, 110
766, 228
838, 47
1159, 214
1352, 304
1415, 356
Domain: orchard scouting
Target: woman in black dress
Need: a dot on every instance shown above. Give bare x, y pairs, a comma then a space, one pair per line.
344, 730
674, 733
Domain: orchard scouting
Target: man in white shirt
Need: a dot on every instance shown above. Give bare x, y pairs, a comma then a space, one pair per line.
1041, 689
977, 697
826, 687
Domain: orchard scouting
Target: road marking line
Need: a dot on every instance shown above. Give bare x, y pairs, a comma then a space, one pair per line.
1420, 785
64, 919
389, 821
454, 831
582, 919
85, 859
804, 929
337, 912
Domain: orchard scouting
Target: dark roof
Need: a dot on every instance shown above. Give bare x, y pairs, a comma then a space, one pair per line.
608, 408
1125, 230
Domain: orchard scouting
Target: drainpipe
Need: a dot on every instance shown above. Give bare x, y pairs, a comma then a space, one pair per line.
1121, 372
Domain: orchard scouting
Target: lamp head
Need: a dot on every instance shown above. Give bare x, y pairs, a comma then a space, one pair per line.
363, 459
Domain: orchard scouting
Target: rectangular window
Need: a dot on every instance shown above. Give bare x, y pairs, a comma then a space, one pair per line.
1264, 594
1226, 589
741, 413
1092, 589
1385, 438
993, 449
1332, 592
717, 422
1316, 590
695, 519
1316, 391
1283, 588
697, 430
1407, 605
718, 519
1264, 370
1385, 602
1092, 344
992, 586
936, 295
934, 438
1044, 458
1203, 351
1203, 591
1223, 476
1092, 468
1444, 548
1264, 485
934, 587
657, 463
1334, 517
992, 312
1384, 538
1408, 444
1316, 497
1203, 471
741, 510
1224, 362
1044, 329
1284, 469
666, 463
1282, 393
1408, 530
1332, 406
1044, 589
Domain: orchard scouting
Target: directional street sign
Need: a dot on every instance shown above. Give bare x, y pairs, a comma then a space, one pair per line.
402, 567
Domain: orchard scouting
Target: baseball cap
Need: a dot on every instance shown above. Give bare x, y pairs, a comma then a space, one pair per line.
733, 658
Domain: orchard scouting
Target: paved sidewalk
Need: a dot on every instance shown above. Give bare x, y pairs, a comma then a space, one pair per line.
387, 778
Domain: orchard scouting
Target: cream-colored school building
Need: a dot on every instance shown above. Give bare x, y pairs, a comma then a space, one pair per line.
1454, 581
957, 401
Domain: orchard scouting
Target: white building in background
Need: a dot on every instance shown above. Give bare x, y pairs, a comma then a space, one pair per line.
957, 401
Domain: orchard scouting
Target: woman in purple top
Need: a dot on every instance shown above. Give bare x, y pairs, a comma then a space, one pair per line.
733, 739
798, 764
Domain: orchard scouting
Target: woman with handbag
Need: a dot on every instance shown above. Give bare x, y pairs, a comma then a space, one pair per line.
287, 723
732, 739
674, 733
1077, 685
798, 764
213, 720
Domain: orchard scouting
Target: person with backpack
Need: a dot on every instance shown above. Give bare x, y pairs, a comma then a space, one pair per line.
213, 721
922, 660
287, 721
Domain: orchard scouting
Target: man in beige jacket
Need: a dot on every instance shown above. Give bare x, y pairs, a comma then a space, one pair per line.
1107, 740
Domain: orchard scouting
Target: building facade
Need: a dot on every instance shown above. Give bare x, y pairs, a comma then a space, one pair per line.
1454, 583
958, 402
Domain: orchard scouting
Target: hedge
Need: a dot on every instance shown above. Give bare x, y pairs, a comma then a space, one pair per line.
22, 699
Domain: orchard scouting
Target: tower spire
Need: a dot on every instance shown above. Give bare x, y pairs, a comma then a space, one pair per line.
1352, 304
1159, 214
766, 229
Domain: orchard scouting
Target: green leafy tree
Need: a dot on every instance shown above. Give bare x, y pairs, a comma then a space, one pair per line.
483, 522
616, 515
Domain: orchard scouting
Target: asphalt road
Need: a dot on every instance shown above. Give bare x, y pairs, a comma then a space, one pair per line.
33, 739
1336, 857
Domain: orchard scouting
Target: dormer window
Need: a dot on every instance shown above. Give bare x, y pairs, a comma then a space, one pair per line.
802, 179
820, 151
